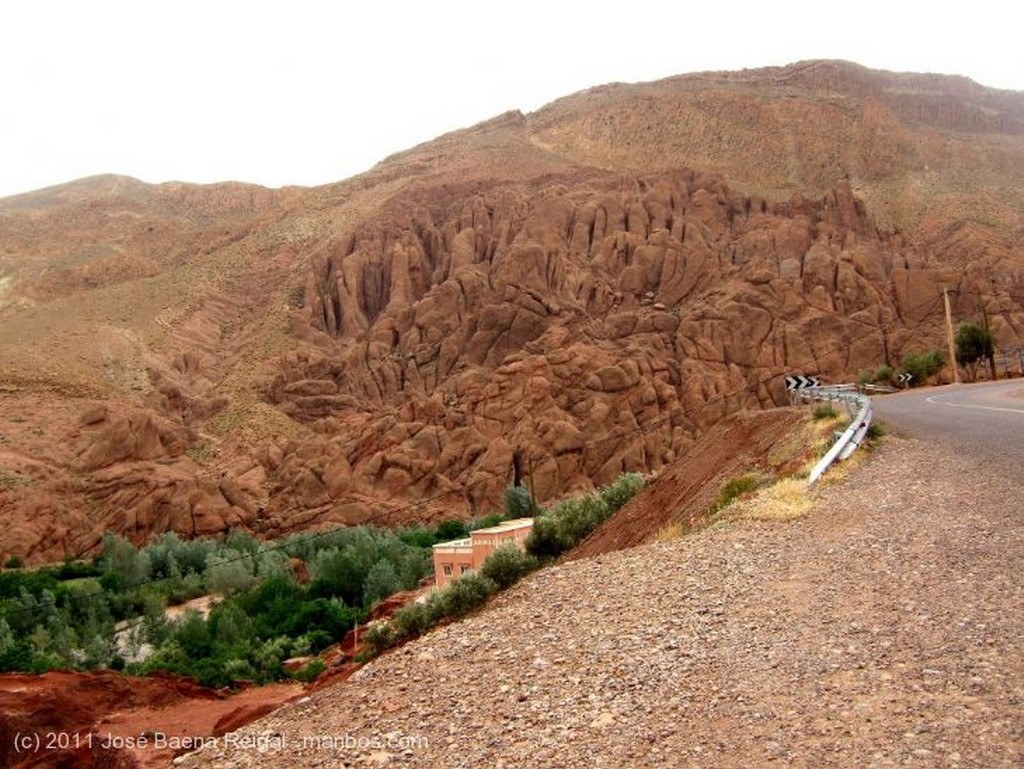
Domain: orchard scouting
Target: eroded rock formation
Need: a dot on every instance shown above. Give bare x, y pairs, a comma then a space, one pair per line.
554, 297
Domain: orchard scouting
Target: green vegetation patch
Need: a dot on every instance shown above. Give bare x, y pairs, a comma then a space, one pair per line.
736, 488
571, 520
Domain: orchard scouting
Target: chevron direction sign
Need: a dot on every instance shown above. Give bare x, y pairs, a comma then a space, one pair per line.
904, 378
800, 382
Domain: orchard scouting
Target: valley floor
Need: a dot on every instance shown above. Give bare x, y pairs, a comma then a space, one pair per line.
882, 629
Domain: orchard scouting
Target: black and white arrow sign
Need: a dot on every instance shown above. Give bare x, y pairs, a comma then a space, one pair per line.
800, 382
904, 378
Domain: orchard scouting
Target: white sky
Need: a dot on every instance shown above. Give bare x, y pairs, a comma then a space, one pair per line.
308, 92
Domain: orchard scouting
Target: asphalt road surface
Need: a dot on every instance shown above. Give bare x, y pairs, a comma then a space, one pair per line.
985, 418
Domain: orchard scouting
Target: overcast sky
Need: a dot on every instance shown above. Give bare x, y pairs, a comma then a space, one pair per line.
302, 92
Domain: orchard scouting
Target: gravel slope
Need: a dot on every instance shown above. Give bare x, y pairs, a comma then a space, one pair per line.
883, 629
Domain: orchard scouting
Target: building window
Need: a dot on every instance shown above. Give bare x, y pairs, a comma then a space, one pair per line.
447, 569
464, 568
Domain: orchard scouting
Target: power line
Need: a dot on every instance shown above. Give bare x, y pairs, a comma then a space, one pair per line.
677, 412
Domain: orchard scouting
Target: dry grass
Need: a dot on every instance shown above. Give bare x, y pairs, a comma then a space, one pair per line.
785, 500
251, 422
669, 532
789, 497
840, 471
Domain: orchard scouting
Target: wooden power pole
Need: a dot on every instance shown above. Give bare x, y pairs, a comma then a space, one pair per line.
949, 337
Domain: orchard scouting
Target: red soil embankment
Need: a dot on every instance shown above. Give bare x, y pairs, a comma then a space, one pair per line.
684, 491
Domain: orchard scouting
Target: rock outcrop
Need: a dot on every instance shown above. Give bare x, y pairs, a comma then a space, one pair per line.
579, 333
552, 298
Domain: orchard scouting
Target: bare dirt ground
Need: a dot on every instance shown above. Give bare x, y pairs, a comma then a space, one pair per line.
882, 629
101, 718
774, 441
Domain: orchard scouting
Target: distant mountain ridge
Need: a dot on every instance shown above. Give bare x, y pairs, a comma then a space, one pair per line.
581, 290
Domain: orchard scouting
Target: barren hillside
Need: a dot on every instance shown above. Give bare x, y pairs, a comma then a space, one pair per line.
567, 294
882, 629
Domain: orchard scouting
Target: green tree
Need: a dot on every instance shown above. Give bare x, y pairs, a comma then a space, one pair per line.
381, 581
972, 344
156, 628
193, 635
229, 574
621, 490
467, 593
123, 566
449, 530
545, 541
519, 503
6, 636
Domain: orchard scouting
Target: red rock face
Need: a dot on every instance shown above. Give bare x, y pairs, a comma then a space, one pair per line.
553, 297
588, 331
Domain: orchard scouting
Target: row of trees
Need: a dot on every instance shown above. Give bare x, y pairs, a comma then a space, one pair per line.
972, 344
112, 611
554, 531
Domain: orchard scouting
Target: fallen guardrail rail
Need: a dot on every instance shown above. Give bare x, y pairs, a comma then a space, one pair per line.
854, 435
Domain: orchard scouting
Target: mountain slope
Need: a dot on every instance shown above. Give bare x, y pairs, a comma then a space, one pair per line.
558, 296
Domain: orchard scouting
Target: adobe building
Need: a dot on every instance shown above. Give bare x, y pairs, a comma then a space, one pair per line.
461, 556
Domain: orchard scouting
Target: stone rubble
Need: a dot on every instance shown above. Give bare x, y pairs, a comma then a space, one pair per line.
882, 629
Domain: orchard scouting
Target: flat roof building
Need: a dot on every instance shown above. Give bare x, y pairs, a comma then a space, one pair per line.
461, 556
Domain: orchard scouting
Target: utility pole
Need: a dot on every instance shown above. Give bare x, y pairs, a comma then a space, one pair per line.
949, 336
991, 356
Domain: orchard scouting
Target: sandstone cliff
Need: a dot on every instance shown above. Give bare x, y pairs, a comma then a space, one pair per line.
560, 296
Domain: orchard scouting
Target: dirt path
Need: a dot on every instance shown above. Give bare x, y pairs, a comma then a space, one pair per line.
883, 629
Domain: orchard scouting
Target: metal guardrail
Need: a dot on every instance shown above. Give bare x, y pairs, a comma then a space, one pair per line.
853, 436
877, 388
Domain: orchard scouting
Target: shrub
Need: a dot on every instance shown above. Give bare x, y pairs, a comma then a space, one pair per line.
14, 562
413, 620
885, 373
465, 594
418, 536
377, 638
824, 411
507, 565
491, 519
875, 431
242, 542
735, 489
338, 572
972, 344
311, 671
229, 574
77, 570
578, 517
572, 520
321, 621
544, 541
922, 366
621, 490
451, 530
239, 670
123, 565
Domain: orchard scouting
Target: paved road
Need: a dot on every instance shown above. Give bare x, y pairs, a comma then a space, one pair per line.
981, 418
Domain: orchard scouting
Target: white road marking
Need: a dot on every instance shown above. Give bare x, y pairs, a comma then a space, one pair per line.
933, 400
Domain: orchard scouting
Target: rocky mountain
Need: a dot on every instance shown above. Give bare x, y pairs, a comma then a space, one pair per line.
555, 297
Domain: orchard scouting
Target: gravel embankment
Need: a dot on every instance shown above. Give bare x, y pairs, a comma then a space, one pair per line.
883, 629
